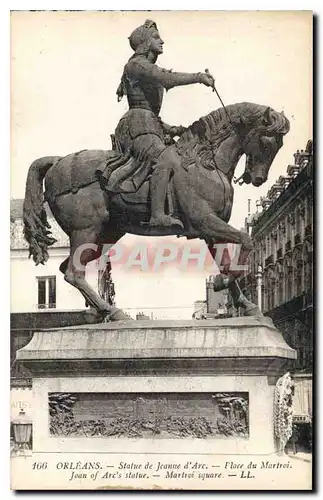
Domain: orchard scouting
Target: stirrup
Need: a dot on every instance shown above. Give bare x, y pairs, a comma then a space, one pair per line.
176, 223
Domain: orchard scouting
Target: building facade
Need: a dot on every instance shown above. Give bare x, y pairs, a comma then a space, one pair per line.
282, 233
40, 297
281, 267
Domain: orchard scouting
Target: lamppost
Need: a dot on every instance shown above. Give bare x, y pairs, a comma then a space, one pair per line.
22, 428
259, 286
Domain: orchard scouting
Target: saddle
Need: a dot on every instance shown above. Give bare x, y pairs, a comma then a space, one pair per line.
130, 178
142, 196
122, 173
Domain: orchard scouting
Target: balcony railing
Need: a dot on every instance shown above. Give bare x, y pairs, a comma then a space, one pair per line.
46, 306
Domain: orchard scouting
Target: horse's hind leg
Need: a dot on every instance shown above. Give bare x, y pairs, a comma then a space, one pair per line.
83, 250
63, 269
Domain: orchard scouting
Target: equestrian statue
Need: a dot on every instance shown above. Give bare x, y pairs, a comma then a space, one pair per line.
157, 180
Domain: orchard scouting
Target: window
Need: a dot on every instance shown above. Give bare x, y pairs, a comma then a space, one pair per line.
270, 245
308, 276
289, 227
289, 283
309, 211
271, 295
298, 221
278, 238
299, 278
46, 292
280, 285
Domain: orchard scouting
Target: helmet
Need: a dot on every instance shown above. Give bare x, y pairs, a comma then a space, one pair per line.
140, 38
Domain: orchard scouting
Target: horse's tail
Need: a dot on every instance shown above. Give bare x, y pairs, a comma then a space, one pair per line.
36, 226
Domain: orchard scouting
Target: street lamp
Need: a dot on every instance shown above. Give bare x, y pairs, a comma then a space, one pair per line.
259, 286
22, 428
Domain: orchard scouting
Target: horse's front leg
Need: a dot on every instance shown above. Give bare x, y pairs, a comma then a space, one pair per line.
218, 234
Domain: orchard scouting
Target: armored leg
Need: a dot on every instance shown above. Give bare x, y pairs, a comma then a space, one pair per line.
158, 187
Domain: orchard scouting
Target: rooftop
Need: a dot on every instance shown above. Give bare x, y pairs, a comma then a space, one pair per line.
280, 191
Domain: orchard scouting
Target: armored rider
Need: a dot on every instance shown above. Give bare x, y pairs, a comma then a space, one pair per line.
140, 130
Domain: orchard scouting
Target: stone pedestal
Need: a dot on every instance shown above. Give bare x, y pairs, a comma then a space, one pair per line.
128, 386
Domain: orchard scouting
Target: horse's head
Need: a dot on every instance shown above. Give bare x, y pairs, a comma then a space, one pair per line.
261, 143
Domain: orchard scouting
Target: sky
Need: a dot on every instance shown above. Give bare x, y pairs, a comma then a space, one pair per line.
65, 69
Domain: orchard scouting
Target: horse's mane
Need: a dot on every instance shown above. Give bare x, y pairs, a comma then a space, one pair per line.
205, 135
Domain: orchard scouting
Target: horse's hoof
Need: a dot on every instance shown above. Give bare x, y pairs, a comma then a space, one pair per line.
118, 315
92, 316
166, 221
252, 310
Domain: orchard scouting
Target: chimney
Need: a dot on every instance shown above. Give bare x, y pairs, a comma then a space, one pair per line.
277, 190
283, 181
293, 170
258, 206
296, 156
266, 203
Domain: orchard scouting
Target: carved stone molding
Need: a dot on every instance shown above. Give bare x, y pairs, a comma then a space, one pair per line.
283, 410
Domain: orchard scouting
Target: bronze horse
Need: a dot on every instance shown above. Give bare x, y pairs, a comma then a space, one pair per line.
202, 196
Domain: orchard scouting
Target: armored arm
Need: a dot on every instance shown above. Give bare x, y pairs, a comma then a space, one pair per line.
173, 130
170, 79
151, 73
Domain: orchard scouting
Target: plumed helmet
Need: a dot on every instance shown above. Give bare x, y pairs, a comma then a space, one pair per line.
140, 38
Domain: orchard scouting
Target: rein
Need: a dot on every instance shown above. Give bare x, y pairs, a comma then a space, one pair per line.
219, 170
235, 180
